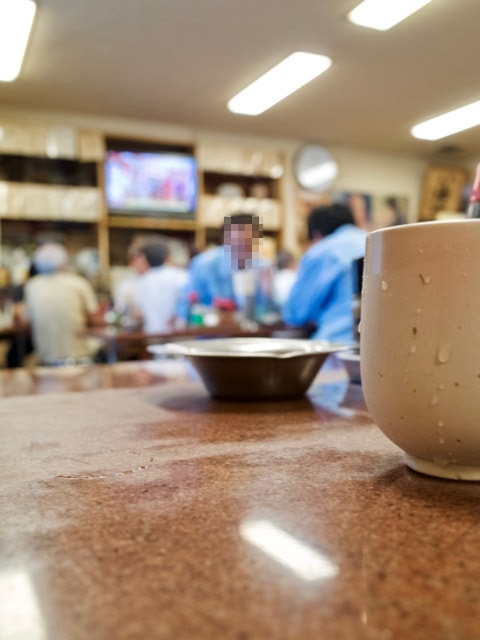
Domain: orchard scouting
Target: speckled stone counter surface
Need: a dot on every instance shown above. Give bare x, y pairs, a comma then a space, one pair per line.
158, 513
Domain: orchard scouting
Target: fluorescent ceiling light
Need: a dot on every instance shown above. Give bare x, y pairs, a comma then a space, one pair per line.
16, 19
304, 561
448, 123
275, 85
384, 14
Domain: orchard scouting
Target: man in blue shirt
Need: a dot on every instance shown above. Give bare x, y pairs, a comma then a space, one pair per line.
323, 290
228, 272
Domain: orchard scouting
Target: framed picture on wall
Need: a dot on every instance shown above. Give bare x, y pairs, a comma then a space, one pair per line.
442, 191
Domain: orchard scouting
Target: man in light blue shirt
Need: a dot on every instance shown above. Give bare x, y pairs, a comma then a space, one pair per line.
323, 291
228, 272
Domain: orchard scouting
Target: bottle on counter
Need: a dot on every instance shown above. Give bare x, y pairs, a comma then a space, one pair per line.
244, 283
196, 310
226, 309
473, 210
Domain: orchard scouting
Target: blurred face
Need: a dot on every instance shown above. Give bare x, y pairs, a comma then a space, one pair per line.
139, 263
243, 240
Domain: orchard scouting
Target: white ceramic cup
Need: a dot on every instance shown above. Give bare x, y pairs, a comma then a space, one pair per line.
420, 343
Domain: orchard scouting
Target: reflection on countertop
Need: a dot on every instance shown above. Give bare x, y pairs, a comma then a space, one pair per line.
39, 380
157, 512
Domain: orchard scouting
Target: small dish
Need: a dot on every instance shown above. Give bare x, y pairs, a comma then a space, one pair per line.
253, 368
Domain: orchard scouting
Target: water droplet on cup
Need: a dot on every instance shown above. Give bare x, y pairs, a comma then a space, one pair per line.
435, 400
384, 285
443, 352
413, 348
425, 279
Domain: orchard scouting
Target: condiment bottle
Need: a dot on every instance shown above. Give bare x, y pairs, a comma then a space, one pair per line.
195, 315
226, 309
473, 210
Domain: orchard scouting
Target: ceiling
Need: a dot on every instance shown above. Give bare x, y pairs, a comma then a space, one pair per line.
179, 61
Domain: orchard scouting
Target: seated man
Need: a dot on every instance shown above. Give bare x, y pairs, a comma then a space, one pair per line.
323, 290
229, 272
157, 290
59, 305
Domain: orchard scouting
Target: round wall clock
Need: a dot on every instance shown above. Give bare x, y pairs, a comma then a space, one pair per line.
314, 168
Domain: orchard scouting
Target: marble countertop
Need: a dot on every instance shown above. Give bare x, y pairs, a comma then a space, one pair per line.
157, 512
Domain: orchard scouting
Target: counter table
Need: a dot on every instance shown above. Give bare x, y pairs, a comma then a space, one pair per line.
156, 512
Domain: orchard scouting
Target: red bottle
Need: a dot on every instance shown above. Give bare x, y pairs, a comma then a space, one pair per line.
473, 210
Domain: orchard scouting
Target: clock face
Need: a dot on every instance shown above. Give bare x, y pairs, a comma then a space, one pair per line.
314, 168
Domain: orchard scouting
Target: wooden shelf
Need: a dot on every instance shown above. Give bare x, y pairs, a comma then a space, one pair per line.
258, 173
159, 224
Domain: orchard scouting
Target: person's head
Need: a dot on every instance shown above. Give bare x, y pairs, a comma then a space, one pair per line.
397, 217
326, 219
149, 255
87, 263
241, 233
50, 258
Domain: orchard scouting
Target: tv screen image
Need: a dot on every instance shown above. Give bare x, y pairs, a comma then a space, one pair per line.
150, 182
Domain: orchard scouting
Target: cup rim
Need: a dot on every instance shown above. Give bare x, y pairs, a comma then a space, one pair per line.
428, 223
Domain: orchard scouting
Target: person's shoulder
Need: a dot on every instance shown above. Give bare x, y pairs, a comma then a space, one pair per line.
74, 278
174, 271
76, 281
345, 234
68, 276
37, 282
354, 231
208, 257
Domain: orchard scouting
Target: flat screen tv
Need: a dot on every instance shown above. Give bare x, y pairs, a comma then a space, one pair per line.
151, 183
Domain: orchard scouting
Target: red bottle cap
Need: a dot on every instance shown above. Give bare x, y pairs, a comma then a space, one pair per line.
224, 304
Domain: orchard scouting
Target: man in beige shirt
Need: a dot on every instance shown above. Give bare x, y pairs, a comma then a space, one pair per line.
59, 306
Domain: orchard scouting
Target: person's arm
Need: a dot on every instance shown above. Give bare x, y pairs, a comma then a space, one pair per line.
19, 316
311, 289
93, 313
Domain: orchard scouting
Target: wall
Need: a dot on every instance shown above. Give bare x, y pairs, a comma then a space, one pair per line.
364, 171
380, 174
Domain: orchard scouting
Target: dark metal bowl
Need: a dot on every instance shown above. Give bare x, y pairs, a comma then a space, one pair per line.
253, 368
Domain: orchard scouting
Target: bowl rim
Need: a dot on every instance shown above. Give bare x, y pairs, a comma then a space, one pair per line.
286, 348
349, 356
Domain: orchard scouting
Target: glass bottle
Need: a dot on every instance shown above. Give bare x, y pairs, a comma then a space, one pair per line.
226, 309
196, 312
